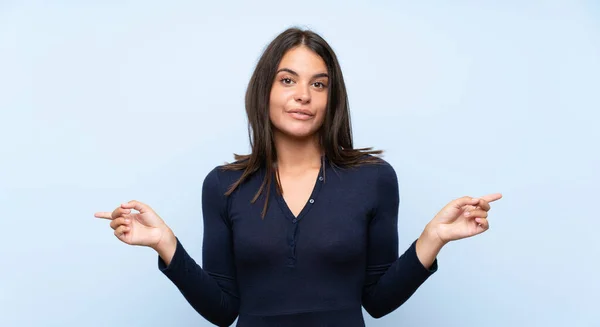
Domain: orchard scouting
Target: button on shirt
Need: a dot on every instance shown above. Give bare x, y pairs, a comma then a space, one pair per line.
320, 268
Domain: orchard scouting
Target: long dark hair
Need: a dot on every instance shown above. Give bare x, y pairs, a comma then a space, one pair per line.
335, 135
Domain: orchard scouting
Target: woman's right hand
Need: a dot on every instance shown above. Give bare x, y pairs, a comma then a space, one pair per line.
143, 228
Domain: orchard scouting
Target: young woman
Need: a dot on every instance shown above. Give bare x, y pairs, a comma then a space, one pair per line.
303, 230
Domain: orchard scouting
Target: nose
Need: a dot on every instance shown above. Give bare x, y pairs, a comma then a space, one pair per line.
302, 94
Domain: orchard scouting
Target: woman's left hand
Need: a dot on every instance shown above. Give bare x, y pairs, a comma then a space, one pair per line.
461, 218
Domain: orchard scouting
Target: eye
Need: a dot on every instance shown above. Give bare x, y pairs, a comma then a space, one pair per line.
286, 80
320, 85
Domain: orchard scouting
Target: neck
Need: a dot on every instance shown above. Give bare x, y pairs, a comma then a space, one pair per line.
295, 154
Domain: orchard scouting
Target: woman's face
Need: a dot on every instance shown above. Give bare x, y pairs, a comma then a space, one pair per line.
299, 94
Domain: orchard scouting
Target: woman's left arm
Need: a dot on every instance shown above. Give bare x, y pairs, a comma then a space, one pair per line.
391, 279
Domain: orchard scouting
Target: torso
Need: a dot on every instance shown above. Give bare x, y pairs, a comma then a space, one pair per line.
309, 252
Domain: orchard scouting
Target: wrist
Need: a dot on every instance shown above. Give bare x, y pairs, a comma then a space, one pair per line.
166, 241
431, 237
428, 246
166, 246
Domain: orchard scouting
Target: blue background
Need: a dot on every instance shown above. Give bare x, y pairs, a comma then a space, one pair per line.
102, 102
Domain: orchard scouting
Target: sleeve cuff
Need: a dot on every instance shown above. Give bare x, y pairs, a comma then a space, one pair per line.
412, 252
176, 261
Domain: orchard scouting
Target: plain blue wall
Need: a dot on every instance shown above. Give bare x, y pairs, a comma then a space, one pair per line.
105, 102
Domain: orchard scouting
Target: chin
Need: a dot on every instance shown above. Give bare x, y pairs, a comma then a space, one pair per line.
298, 133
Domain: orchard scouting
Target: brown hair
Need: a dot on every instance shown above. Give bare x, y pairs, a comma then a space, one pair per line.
335, 135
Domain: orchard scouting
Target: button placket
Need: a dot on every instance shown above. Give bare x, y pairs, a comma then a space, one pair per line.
295, 220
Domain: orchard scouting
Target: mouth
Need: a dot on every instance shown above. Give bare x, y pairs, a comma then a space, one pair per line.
301, 114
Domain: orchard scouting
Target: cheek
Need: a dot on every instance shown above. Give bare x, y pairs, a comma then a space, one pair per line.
274, 103
321, 104
277, 100
275, 108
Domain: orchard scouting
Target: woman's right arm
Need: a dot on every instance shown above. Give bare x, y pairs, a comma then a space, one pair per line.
212, 290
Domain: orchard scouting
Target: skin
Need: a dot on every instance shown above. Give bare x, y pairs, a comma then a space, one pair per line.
302, 84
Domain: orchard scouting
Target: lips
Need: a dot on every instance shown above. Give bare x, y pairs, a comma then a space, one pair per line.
301, 114
301, 111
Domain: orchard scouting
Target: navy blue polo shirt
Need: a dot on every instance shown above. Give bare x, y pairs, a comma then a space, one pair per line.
321, 268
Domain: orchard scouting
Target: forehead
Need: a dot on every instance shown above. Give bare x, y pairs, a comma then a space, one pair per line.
303, 60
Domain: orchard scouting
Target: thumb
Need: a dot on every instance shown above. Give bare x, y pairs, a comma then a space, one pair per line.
139, 206
465, 200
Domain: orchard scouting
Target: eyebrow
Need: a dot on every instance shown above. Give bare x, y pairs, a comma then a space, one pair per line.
296, 74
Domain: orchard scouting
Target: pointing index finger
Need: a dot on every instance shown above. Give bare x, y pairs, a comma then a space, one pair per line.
103, 215
491, 197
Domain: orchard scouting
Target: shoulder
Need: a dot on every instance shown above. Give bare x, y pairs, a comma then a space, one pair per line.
386, 172
384, 186
372, 173
381, 175
377, 169
221, 178
215, 186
